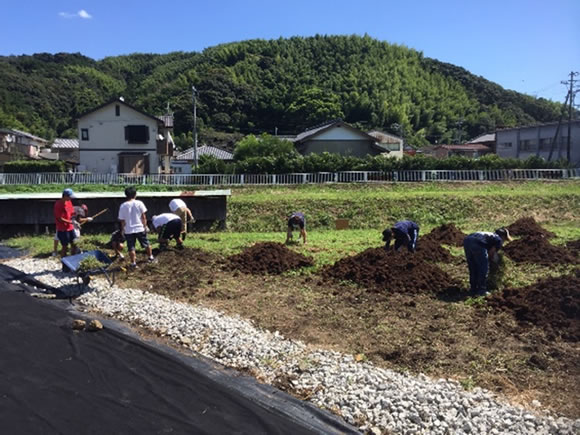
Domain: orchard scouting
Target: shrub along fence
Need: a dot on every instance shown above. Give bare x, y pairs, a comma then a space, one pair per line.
293, 178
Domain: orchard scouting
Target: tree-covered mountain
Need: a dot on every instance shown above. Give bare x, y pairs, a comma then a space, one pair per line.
257, 85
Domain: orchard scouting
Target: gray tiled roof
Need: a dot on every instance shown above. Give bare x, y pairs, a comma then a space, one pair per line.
205, 150
22, 133
488, 137
65, 144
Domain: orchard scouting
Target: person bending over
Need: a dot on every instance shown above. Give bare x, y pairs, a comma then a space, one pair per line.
296, 221
404, 233
168, 226
479, 247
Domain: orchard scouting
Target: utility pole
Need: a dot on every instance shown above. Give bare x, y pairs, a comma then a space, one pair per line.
571, 93
194, 94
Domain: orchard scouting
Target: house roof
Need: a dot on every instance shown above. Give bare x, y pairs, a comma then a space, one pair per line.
319, 129
383, 137
487, 137
465, 147
61, 144
546, 124
21, 133
121, 101
205, 150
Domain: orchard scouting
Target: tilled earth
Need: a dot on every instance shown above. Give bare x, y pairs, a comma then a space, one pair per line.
537, 249
268, 258
447, 234
552, 304
380, 270
399, 310
527, 226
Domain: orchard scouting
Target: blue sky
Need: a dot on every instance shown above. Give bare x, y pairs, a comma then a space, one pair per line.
528, 46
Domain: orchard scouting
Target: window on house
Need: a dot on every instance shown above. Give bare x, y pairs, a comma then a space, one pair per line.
84, 134
545, 143
506, 144
137, 134
117, 110
527, 144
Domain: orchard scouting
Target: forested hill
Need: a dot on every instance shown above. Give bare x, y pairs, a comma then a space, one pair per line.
257, 85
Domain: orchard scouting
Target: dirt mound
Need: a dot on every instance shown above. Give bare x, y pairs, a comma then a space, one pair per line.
528, 227
381, 270
552, 304
574, 246
430, 250
267, 258
536, 249
177, 269
448, 234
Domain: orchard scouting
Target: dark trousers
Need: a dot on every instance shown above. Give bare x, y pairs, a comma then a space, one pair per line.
402, 239
478, 264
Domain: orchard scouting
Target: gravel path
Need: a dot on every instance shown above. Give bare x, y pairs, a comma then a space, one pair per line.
374, 399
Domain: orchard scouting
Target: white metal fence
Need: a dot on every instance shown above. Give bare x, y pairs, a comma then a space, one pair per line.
288, 179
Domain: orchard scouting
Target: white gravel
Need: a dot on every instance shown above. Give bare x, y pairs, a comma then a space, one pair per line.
374, 399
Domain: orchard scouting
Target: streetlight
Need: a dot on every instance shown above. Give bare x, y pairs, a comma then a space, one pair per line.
194, 94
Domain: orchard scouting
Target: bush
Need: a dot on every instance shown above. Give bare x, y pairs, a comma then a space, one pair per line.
263, 146
34, 166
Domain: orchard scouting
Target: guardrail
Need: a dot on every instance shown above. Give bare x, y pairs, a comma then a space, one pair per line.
289, 179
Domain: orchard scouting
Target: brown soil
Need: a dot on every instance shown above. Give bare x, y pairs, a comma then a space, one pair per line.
268, 258
389, 271
430, 250
447, 234
552, 304
527, 226
520, 345
536, 249
574, 246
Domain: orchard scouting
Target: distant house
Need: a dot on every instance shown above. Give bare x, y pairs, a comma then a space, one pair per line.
465, 150
18, 145
119, 138
487, 139
181, 163
392, 143
538, 140
338, 137
66, 149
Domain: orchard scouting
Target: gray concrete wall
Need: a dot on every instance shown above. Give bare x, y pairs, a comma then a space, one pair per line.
535, 141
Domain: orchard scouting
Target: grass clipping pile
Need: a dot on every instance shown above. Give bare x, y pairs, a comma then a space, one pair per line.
267, 258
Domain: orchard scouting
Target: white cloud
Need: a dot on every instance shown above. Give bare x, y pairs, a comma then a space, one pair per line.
80, 14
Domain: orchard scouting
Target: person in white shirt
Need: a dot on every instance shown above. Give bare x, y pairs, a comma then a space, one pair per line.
179, 207
168, 226
134, 224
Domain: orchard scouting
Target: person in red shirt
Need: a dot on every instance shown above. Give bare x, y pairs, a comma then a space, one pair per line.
63, 214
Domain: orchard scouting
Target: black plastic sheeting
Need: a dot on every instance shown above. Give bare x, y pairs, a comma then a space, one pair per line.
7, 252
56, 380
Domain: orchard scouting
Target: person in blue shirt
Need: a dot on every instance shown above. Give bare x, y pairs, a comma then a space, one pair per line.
479, 247
296, 221
405, 233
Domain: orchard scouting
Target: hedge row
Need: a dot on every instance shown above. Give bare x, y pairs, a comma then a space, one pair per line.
33, 166
327, 162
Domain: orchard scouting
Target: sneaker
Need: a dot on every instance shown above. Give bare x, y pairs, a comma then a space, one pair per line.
151, 259
121, 256
54, 254
180, 246
133, 265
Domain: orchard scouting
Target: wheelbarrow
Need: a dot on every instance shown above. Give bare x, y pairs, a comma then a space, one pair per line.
73, 263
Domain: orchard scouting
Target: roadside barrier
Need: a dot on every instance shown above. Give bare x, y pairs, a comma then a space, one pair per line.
290, 179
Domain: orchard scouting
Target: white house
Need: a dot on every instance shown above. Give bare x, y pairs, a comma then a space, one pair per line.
392, 143
119, 138
17, 145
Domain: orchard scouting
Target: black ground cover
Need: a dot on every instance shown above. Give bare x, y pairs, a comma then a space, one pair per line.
56, 380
